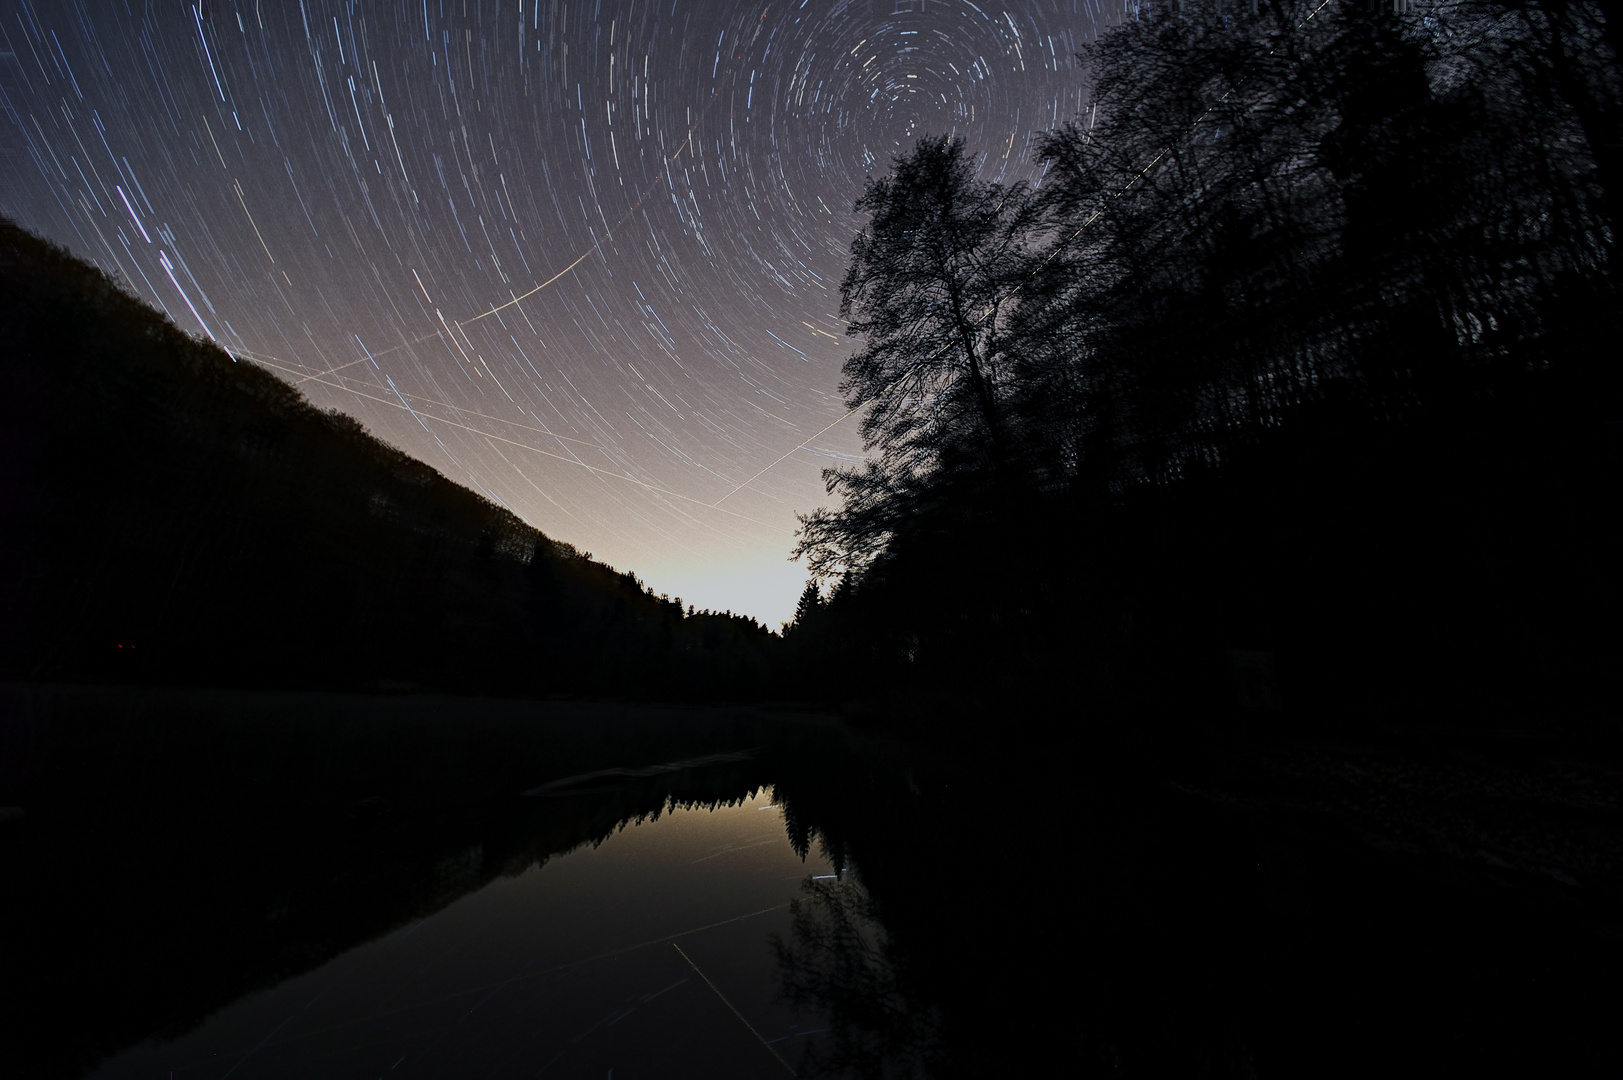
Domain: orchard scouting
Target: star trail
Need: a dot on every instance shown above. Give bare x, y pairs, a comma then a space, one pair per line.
581, 257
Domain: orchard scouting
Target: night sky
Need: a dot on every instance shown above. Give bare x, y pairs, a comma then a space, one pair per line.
581, 257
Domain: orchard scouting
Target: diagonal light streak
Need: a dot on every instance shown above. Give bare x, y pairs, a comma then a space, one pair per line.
734, 1008
595, 248
525, 976
547, 453
779, 461
270, 361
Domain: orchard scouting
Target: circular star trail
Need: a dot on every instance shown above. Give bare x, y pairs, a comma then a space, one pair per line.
582, 257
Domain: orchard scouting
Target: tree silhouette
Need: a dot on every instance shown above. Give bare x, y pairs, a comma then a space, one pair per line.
1297, 342
926, 289
838, 963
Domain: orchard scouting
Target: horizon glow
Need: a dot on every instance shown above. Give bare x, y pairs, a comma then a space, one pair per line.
582, 258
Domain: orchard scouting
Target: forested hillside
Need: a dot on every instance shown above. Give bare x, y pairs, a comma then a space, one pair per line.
173, 515
1293, 379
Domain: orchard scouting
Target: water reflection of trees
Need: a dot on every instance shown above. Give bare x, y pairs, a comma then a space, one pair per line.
998, 911
1008, 916
839, 962
181, 850
1069, 913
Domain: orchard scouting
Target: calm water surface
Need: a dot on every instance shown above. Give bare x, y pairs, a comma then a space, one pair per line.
645, 955
204, 884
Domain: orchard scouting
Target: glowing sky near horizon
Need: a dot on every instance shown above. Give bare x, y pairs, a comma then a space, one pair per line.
581, 257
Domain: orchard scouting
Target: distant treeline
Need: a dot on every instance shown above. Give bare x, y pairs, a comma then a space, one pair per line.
1293, 378
171, 515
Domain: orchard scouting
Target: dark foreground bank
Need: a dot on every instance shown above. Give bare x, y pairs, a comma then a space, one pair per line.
180, 864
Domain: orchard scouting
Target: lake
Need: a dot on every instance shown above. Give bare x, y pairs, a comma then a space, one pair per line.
213, 884
642, 955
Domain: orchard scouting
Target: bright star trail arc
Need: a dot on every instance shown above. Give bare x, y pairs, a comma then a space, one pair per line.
581, 257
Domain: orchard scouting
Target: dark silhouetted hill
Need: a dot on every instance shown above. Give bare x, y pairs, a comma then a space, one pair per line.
172, 515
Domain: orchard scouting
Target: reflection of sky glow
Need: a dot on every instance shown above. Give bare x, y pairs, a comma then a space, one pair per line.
573, 964
583, 258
